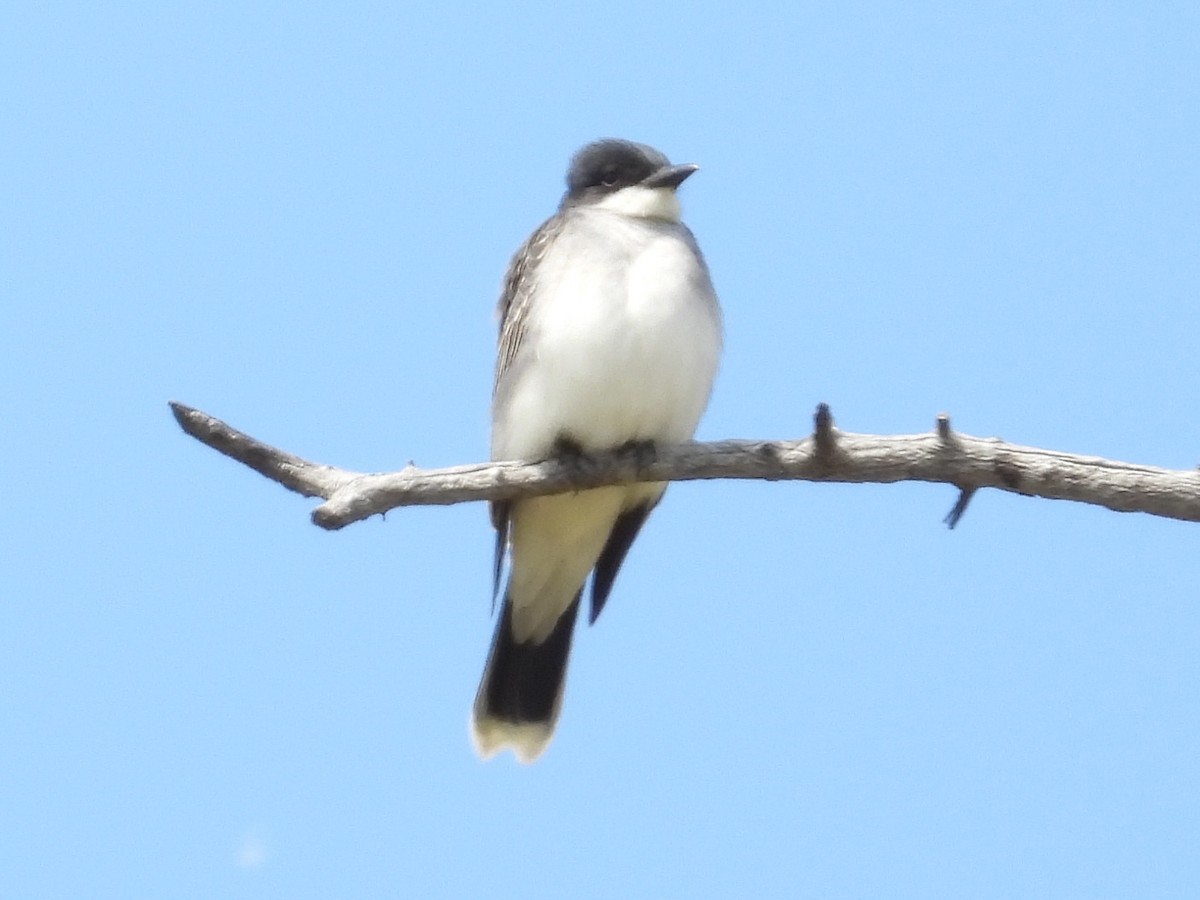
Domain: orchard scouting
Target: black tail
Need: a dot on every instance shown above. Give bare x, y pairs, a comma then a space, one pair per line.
521, 691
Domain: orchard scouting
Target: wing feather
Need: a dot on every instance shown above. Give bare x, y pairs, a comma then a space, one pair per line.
513, 308
513, 312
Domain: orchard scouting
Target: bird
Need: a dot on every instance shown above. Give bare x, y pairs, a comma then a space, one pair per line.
610, 338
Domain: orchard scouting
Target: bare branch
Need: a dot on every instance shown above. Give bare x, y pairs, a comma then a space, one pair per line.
828, 455
294, 473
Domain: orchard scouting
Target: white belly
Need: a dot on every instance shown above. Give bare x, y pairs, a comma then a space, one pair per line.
630, 355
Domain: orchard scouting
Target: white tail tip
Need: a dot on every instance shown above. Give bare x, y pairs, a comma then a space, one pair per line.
527, 740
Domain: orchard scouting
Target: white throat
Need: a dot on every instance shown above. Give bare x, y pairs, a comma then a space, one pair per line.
643, 203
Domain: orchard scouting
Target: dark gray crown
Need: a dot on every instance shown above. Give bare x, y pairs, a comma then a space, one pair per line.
603, 167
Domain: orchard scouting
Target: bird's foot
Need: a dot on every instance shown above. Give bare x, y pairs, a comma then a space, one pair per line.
643, 453
571, 454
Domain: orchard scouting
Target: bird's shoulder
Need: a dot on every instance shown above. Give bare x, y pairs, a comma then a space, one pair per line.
524, 263
517, 290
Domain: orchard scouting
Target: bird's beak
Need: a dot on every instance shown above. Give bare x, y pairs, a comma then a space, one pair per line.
669, 176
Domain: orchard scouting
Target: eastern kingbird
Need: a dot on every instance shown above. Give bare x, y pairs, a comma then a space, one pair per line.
609, 337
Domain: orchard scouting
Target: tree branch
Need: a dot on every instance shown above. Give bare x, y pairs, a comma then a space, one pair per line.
941, 456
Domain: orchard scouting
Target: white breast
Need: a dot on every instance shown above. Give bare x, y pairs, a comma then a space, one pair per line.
622, 344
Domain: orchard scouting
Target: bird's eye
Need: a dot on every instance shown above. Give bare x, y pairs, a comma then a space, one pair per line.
609, 178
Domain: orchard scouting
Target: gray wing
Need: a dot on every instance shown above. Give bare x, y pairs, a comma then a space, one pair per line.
513, 311
620, 539
513, 308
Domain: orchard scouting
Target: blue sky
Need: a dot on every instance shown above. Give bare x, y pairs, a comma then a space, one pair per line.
296, 217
